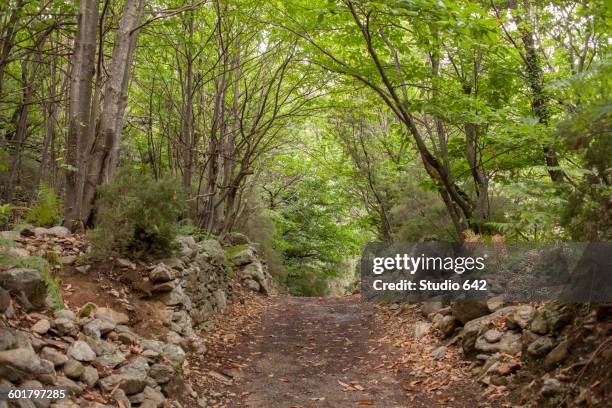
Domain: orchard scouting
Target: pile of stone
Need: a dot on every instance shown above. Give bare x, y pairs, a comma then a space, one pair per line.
97, 358
243, 257
504, 338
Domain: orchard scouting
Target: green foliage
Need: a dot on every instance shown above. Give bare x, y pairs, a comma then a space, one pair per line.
34, 262
138, 217
47, 209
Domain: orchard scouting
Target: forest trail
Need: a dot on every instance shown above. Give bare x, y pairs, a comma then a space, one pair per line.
321, 352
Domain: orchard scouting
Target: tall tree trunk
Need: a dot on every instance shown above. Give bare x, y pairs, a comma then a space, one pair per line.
108, 133
80, 106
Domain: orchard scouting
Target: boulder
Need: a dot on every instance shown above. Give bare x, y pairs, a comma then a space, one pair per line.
73, 369
81, 351
465, 311
541, 346
110, 360
551, 387
26, 281
243, 257
520, 318
447, 325
131, 383
20, 363
187, 245
90, 376
7, 339
51, 354
421, 329
58, 231
174, 354
111, 314
162, 273
220, 300
474, 328
234, 238
5, 300
41, 327
161, 373
64, 326
98, 327
252, 285
493, 335
557, 355
64, 314
509, 343
211, 251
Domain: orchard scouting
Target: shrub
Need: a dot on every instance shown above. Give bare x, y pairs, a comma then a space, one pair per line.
47, 209
138, 217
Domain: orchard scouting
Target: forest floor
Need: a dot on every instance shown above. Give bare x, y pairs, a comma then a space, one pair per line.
333, 352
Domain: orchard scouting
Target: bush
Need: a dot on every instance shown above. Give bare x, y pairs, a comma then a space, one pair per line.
47, 209
138, 217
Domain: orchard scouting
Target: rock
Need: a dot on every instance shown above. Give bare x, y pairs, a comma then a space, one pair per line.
56, 357
79, 350
68, 259
26, 281
126, 263
34, 385
509, 343
161, 373
541, 346
421, 329
493, 335
202, 402
212, 251
64, 314
473, 328
110, 360
41, 327
235, 238
98, 327
447, 325
7, 339
64, 326
243, 257
5, 300
73, 369
433, 305
465, 311
174, 354
148, 404
188, 245
59, 231
495, 303
69, 385
557, 355
83, 268
127, 338
252, 285
162, 273
153, 395
551, 387
538, 324
220, 300
520, 317
163, 287
16, 363
438, 353
112, 315
90, 376
122, 399
154, 345
100, 347
131, 383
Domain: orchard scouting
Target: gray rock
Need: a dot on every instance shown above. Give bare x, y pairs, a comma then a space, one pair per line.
131, 383
421, 329
100, 347
557, 355
59, 231
99, 327
120, 397
538, 324
465, 311
438, 353
541, 346
495, 303
64, 314
220, 299
69, 385
252, 285
112, 315
26, 281
509, 343
73, 369
33, 385
126, 263
153, 395
521, 317
64, 326
447, 325
433, 305
79, 350
51, 354
111, 360
154, 345
174, 354
210, 250
161, 373
235, 238
15, 364
148, 404
127, 338
90, 376
493, 335
474, 328
187, 245
162, 273
41, 327
551, 387
7, 339
243, 257
139, 365
5, 300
